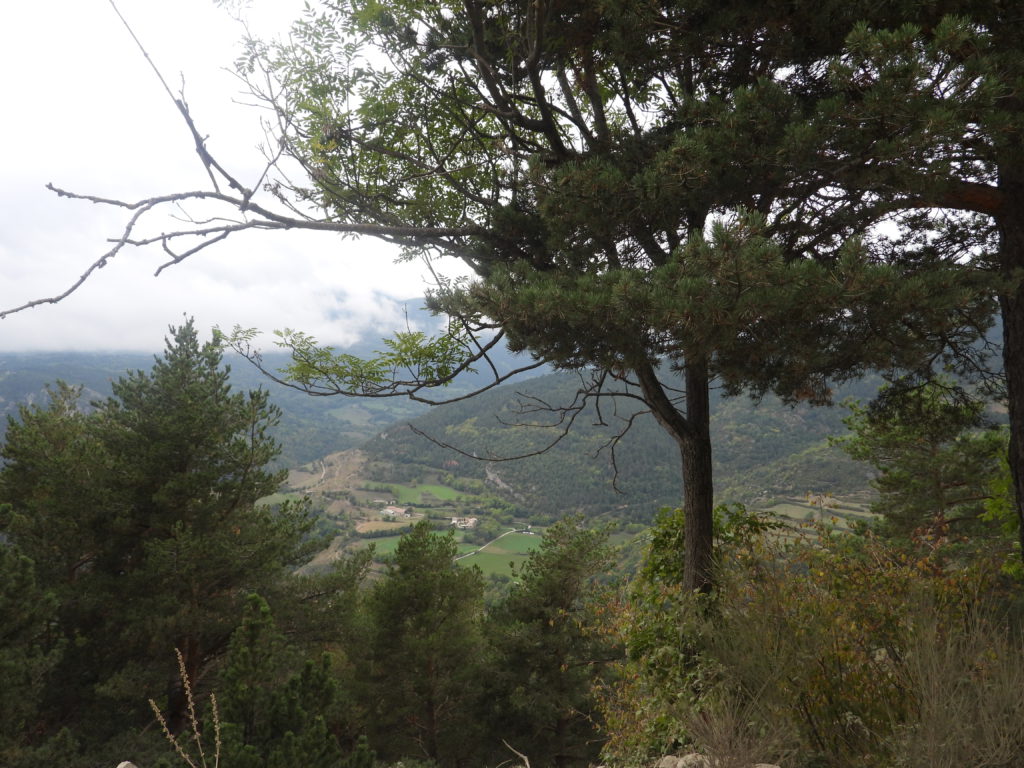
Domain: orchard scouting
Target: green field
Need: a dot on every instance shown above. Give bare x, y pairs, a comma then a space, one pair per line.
385, 545
496, 558
414, 494
842, 515
280, 498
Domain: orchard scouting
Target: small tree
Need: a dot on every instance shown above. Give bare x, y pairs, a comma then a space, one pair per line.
273, 714
935, 459
423, 668
548, 650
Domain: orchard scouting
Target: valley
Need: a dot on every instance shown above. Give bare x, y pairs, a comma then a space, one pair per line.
356, 458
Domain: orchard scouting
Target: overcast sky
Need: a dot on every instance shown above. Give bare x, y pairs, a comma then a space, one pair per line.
82, 109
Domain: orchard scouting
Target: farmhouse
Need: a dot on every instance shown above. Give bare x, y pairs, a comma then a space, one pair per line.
464, 522
396, 511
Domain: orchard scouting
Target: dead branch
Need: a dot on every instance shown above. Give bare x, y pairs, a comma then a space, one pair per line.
565, 418
517, 753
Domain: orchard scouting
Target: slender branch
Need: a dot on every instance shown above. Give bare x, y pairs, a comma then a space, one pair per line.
517, 753
258, 217
200, 142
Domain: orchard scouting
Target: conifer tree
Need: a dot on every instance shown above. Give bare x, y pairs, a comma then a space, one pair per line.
142, 517
27, 652
273, 706
547, 652
918, 115
425, 651
610, 173
935, 459
187, 539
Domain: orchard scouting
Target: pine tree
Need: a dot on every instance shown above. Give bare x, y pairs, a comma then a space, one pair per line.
187, 538
142, 517
28, 652
56, 482
919, 113
616, 190
546, 650
935, 459
664, 195
54, 477
273, 706
425, 651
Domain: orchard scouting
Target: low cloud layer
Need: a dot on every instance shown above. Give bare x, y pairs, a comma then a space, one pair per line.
91, 117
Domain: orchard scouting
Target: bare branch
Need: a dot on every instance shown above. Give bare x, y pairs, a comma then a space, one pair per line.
256, 217
517, 753
96, 265
564, 422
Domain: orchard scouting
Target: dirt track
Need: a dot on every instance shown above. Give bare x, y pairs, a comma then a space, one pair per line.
331, 473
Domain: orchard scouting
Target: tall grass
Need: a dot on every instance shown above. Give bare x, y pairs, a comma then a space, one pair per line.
967, 693
196, 758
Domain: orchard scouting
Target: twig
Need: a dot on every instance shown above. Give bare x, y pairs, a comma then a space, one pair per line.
517, 753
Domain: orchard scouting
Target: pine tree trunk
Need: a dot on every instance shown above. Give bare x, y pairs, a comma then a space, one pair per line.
1011, 232
692, 433
698, 486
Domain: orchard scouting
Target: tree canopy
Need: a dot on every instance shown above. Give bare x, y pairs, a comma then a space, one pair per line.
665, 194
936, 459
140, 520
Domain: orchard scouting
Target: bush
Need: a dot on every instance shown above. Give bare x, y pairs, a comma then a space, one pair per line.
835, 650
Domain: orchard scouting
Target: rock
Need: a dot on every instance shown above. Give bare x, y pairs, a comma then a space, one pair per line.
127, 764
696, 760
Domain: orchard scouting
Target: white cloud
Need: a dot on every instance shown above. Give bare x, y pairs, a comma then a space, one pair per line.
84, 111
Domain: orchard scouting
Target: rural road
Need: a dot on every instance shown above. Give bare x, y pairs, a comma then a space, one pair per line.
482, 547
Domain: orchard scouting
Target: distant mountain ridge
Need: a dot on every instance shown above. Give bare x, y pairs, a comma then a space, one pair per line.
311, 427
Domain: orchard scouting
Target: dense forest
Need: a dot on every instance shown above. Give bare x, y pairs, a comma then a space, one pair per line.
138, 567
616, 458
676, 209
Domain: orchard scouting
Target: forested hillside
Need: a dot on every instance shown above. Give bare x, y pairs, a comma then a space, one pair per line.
309, 427
762, 451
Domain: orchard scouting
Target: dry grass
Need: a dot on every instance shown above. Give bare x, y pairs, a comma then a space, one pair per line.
734, 732
967, 681
369, 526
197, 760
